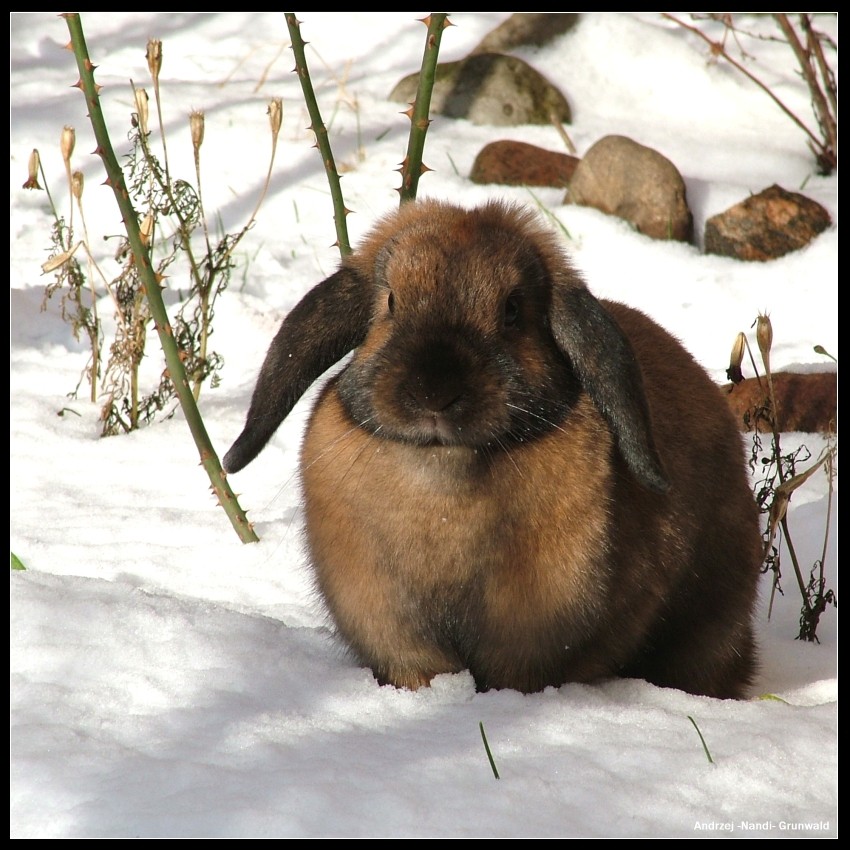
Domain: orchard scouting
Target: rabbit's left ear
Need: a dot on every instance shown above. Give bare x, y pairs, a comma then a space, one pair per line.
331, 320
607, 368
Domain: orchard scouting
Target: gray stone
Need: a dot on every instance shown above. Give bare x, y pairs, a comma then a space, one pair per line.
490, 88
621, 177
523, 29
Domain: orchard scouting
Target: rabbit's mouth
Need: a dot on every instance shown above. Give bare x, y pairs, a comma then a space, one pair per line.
440, 430
447, 428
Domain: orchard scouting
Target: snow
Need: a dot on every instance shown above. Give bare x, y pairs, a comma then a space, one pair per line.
167, 680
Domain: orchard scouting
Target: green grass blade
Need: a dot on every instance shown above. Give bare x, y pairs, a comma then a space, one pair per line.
707, 753
487, 750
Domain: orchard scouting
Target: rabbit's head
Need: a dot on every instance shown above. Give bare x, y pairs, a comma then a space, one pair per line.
471, 329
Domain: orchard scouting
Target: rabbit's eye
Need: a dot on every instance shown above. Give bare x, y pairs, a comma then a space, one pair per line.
391, 303
511, 315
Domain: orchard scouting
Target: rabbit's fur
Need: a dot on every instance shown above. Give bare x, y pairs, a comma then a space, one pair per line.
511, 476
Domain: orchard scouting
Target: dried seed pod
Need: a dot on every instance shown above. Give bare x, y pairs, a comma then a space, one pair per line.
196, 126
734, 373
32, 170
154, 57
275, 112
67, 142
764, 337
77, 185
141, 98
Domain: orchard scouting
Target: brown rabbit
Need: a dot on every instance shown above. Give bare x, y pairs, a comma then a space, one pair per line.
511, 476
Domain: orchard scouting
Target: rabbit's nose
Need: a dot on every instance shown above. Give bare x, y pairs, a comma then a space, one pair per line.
435, 395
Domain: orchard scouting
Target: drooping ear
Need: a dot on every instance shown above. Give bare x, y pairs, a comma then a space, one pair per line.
325, 325
606, 365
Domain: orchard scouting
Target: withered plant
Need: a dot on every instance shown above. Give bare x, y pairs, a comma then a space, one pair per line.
814, 55
778, 475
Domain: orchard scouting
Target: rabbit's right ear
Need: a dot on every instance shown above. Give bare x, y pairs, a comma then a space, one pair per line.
608, 370
331, 320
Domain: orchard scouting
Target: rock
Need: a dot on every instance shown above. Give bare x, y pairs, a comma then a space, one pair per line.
805, 401
526, 29
765, 226
490, 88
623, 178
521, 164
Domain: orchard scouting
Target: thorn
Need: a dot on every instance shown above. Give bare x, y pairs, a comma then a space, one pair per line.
78, 85
427, 22
408, 112
423, 169
69, 46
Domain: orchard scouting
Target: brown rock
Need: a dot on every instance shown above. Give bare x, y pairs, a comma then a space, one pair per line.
623, 178
520, 164
526, 28
490, 88
805, 402
765, 226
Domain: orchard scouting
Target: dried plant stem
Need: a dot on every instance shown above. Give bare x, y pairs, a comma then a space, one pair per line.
824, 115
151, 286
93, 266
565, 136
815, 599
826, 156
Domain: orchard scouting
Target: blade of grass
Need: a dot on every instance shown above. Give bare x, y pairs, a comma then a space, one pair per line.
707, 753
487, 750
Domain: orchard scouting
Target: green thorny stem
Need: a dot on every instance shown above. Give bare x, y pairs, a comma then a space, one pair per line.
317, 125
412, 168
141, 257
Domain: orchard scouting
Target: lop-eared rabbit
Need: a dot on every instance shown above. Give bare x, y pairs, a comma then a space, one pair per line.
511, 476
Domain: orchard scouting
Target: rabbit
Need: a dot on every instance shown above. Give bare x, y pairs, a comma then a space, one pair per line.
510, 476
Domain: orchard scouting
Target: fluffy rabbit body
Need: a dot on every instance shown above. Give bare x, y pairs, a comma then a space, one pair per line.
511, 476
